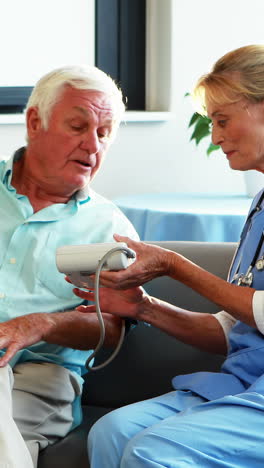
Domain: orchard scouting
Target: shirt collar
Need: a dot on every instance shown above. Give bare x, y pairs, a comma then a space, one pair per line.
8, 171
81, 196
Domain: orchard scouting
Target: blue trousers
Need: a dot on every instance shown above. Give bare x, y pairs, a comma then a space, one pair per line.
179, 430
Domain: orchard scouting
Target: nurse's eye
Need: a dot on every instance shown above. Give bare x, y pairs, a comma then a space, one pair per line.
222, 123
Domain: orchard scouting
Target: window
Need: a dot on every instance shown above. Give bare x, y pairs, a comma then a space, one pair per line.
13, 99
37, 37
129, 39
119, 30
120, 46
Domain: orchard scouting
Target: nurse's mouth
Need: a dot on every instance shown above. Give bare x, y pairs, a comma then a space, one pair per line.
229, 154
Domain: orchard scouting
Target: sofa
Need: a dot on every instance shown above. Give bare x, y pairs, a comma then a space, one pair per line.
148, 358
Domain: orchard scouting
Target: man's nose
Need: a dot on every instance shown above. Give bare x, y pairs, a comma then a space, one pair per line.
90, 142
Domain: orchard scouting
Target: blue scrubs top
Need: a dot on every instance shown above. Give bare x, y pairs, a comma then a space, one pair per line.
243, 369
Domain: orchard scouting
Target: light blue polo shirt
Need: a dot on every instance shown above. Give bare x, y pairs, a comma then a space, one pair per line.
29, 279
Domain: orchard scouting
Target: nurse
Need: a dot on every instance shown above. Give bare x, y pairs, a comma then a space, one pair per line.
211, 419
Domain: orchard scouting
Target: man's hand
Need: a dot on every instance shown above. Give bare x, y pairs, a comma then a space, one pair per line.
128, 303
20, 332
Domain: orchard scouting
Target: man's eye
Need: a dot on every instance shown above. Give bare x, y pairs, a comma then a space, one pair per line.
103, 136
76, 128
221, 123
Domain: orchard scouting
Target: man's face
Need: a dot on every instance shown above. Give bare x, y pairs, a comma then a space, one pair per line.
66, 156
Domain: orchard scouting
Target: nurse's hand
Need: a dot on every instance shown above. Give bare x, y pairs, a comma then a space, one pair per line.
151, 261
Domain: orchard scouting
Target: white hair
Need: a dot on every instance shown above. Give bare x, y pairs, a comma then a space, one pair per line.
50, 87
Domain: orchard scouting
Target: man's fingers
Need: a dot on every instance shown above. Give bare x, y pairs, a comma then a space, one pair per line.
83, 308
10, 352
83, 294
120, 238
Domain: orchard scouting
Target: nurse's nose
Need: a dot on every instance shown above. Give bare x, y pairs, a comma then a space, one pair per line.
217, 135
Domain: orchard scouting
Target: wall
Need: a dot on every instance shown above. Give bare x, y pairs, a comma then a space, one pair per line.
38, 35
155, 157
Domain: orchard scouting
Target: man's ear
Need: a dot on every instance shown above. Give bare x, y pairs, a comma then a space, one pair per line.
33, 122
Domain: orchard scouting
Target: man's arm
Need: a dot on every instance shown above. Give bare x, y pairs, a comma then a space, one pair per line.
71, 329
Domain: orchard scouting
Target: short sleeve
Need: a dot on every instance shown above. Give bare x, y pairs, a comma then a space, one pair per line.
258, 310
226, 321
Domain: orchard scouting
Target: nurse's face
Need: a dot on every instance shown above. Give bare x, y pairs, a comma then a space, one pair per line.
239, 129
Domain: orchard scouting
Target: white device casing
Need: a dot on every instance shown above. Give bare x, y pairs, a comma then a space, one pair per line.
78, 262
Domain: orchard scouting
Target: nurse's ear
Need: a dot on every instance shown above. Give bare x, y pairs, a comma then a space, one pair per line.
255, 110
261, 104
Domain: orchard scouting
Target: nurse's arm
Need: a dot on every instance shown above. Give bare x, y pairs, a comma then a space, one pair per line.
198, 329
153, 261
236, 300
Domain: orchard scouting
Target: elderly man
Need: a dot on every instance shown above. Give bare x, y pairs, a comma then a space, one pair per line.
45, 201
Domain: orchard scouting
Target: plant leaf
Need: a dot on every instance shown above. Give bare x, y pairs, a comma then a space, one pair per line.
194, 118
212, 148
201, 130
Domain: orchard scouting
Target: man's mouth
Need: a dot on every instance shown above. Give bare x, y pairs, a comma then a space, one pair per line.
83, 163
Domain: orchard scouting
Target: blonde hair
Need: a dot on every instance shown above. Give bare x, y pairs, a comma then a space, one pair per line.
238, 74
50, 87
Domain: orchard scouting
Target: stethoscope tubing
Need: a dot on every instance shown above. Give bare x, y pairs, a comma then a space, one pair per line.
245, 230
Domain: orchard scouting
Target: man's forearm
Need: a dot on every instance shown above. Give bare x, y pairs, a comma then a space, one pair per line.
80, 330
72, 329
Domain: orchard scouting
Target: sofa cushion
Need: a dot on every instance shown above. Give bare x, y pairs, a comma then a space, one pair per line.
72, 450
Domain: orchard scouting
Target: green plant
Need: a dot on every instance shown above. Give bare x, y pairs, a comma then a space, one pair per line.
201, 129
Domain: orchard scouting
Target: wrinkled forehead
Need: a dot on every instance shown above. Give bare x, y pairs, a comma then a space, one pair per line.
89, 110
89, 97
87, 101
87, 104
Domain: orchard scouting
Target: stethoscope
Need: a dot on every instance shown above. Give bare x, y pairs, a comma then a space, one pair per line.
246, 279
